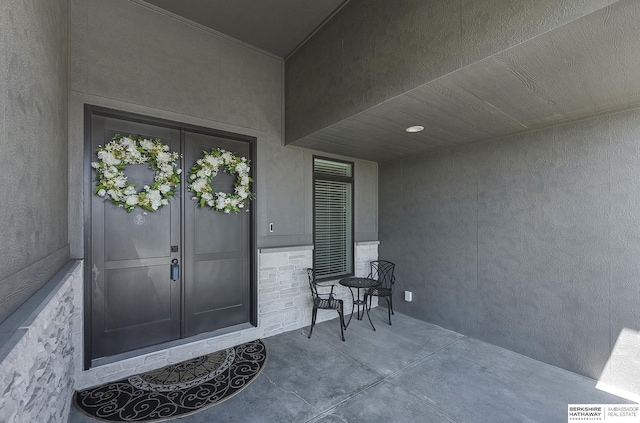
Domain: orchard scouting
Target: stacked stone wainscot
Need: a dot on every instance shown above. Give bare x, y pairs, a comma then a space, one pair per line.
37, 353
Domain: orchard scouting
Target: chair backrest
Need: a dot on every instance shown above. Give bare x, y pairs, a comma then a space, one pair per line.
312, 283
382, 270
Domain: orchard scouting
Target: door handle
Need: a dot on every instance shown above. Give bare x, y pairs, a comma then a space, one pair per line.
175, 270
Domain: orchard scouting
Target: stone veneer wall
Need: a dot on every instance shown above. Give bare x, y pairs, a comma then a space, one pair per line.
284, 304
284, 290
36, 357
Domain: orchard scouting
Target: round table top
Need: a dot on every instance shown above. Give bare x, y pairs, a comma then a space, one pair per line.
359, 282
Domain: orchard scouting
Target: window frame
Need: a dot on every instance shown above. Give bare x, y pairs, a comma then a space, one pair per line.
335, 178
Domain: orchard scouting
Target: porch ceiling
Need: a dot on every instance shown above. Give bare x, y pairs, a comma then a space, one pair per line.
585, 68
276, 26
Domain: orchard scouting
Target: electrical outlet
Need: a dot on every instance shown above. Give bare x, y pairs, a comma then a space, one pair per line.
408, 296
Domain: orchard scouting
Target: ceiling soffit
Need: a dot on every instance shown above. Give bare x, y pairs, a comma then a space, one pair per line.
582, 69
275, 26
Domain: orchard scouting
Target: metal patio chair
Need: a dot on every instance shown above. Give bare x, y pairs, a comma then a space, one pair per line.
324, 302
382, 271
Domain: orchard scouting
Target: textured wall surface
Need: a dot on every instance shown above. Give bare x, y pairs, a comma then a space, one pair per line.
127, 56
375, 50
33, 139
297, 228
528, 242
284, 304
36, 365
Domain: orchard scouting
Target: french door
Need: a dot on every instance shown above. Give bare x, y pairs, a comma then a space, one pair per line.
134, 302
216, 250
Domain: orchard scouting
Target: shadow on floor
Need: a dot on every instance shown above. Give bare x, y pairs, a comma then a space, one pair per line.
409, 372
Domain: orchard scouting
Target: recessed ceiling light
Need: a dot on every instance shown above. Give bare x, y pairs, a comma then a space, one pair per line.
416, 128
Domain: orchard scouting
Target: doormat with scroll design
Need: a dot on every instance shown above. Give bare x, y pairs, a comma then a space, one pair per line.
175, 390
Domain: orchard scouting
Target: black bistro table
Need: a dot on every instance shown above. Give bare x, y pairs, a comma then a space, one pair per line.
359, 283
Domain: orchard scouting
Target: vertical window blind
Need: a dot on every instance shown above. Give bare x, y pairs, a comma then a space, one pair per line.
333, 218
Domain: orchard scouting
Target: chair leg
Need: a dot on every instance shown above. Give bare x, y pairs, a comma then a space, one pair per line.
389, 311
313, 321
391, 303
341, 314
344, 325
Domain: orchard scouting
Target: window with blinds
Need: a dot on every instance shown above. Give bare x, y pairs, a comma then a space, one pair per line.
332, 218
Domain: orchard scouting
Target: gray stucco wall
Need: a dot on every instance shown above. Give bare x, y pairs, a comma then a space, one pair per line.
130, 56
374, 50
529, 242
33, 141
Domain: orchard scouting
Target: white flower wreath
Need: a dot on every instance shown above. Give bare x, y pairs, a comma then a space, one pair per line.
206, 168
112, 183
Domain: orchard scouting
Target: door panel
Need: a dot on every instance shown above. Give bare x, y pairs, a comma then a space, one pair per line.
213, 225
125, 308
147, 237
134, 302
207, 271
217, 265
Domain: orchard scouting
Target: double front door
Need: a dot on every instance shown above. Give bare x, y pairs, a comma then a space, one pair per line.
135, 300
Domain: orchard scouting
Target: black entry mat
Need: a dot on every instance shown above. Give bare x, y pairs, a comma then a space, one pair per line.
175, 390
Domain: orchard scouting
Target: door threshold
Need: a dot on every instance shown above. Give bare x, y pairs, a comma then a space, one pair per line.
102, 361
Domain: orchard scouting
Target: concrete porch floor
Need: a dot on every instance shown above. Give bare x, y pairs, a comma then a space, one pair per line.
409, 372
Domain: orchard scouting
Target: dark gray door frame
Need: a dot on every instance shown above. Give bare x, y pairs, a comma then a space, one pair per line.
89, 111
